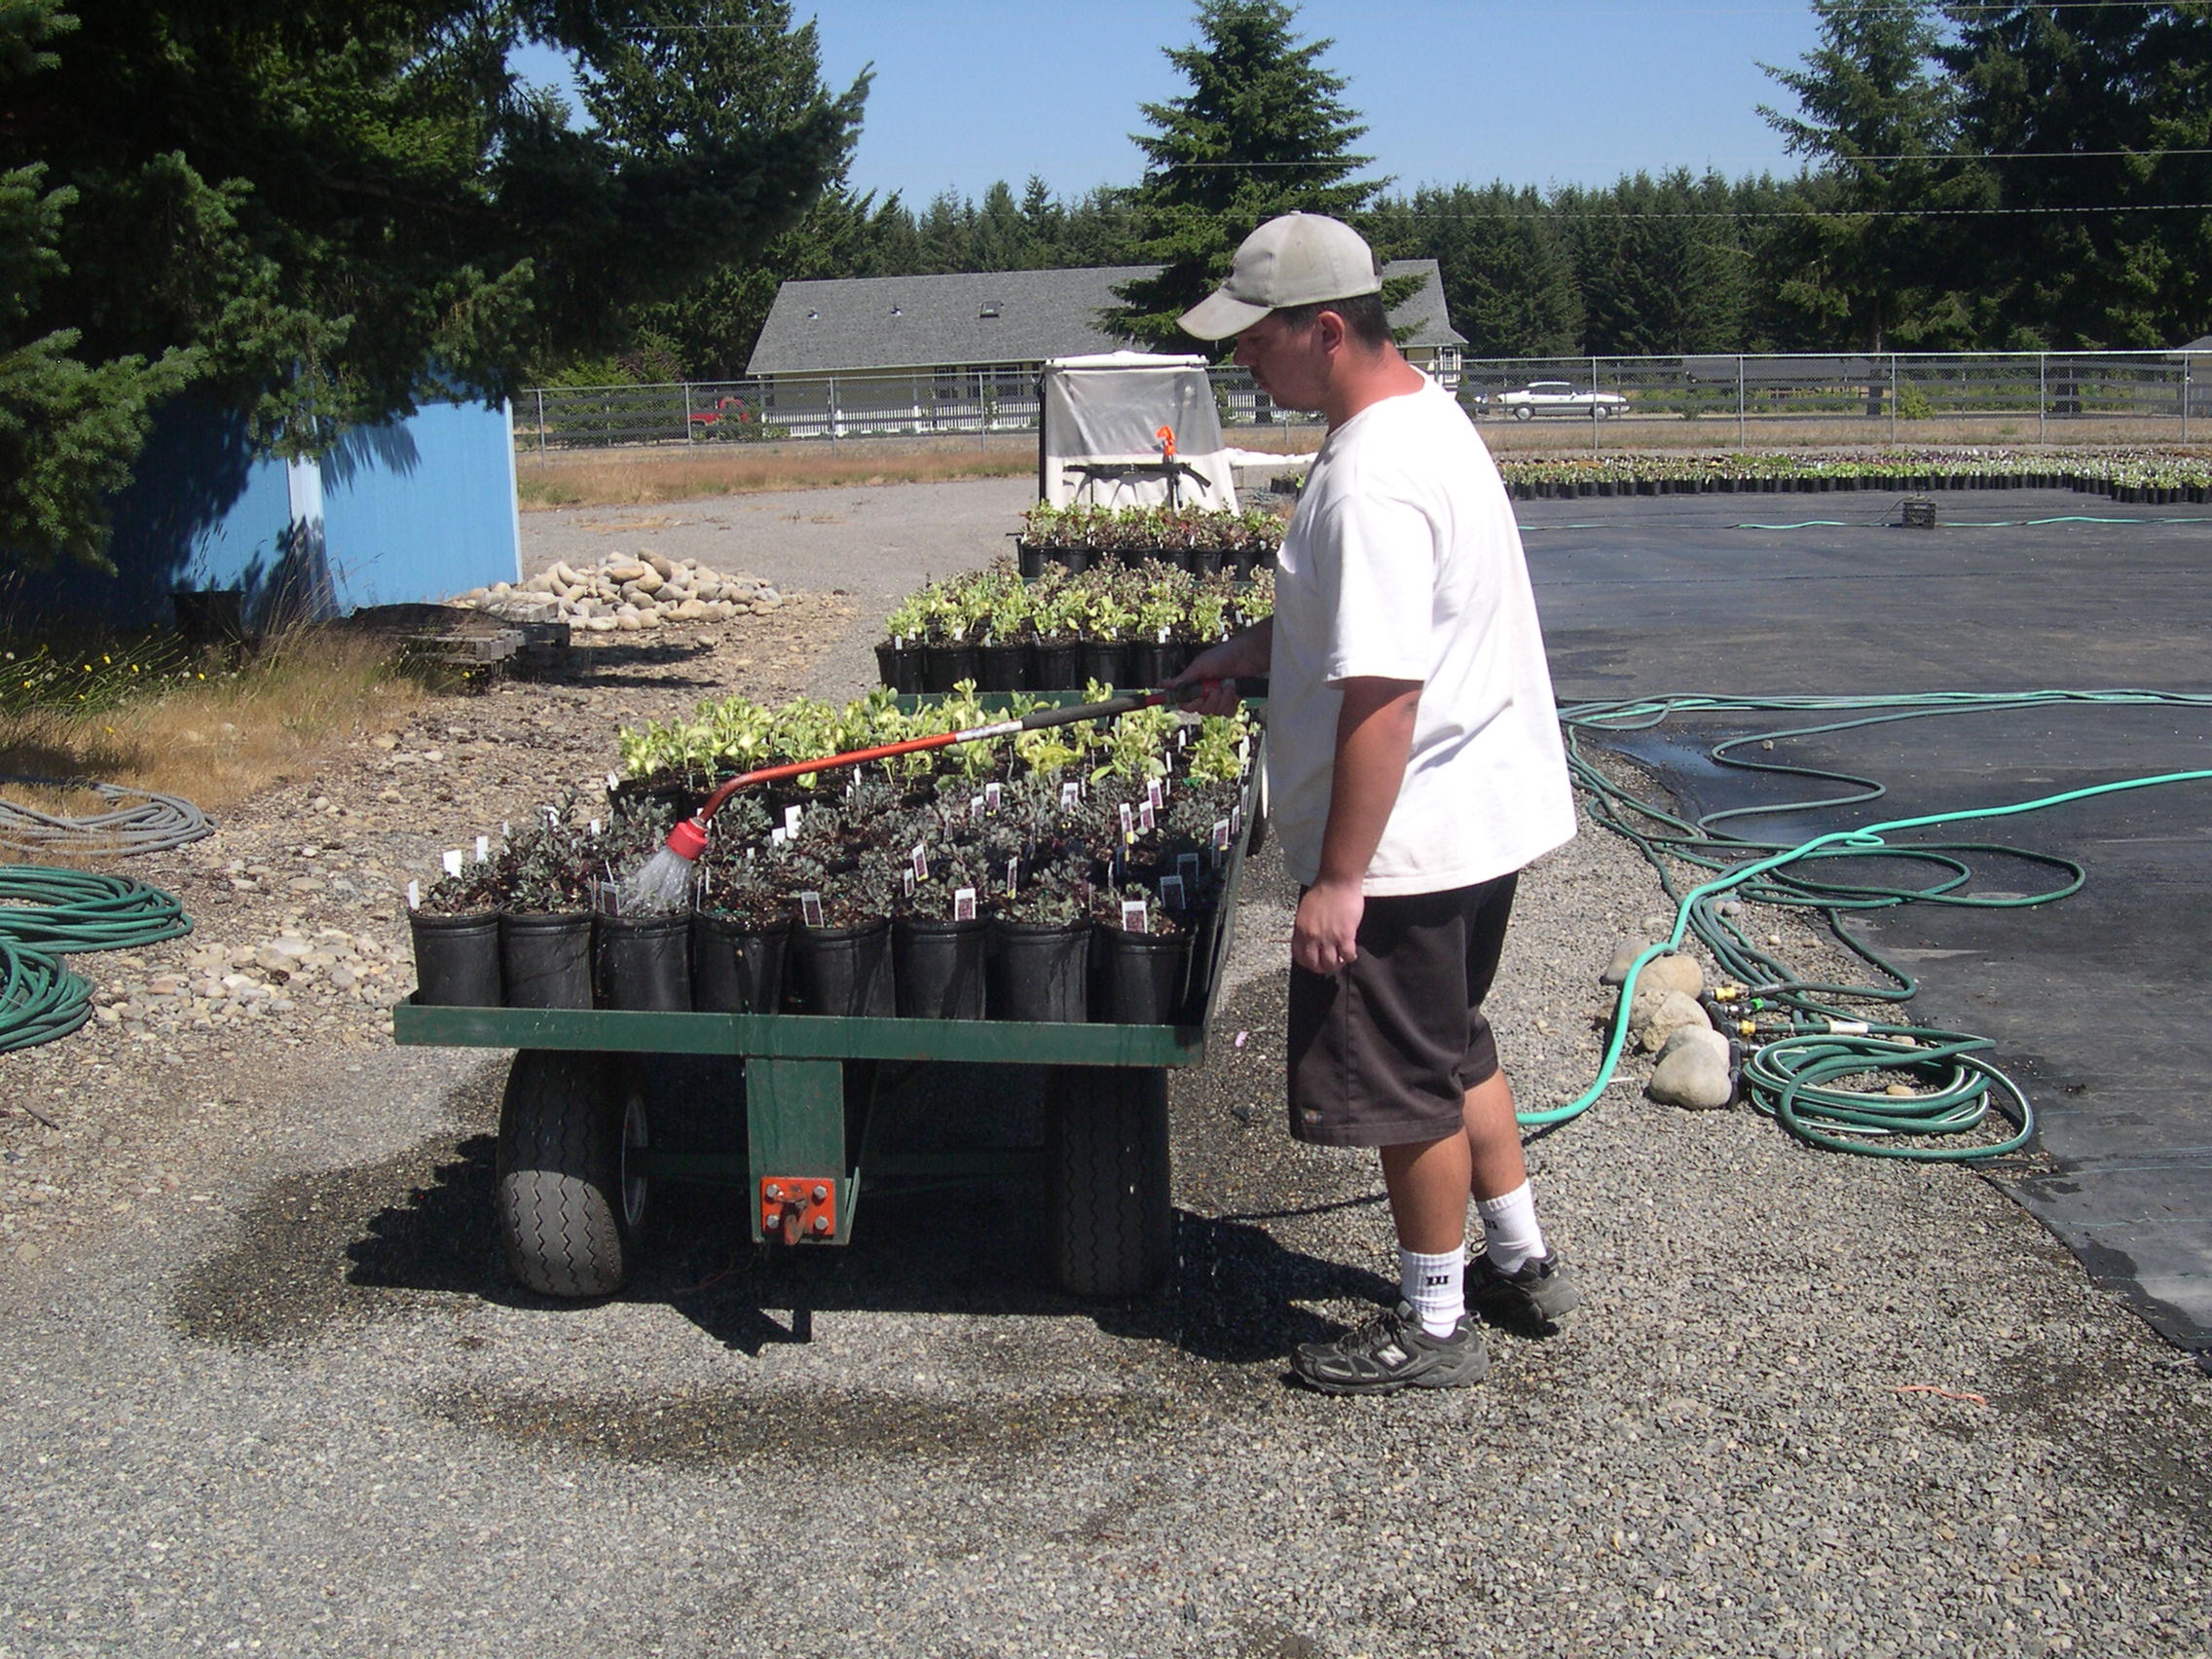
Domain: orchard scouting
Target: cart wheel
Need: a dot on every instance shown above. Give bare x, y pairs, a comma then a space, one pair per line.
571, 1212
1111, 1224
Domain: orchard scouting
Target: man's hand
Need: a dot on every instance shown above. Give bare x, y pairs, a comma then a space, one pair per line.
1209, 674
1325, 938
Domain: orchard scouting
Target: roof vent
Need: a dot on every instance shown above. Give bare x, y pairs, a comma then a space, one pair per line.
894, 310
990, 309
814, 316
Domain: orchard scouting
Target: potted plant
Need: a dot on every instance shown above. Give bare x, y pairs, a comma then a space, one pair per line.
456, 928
937, 935
899, 659
1038, 965
545, 933
840, 951
740, 917
641, 957
1140, 958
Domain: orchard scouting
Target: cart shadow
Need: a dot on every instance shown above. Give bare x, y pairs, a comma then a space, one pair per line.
1233, 1295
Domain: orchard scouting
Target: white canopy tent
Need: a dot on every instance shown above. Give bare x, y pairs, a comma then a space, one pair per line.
1098, 441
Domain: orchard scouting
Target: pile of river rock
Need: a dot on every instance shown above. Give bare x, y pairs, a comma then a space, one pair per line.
1668, 1019
627, 595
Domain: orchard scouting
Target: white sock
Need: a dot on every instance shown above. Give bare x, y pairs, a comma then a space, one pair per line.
1435, 1288
1510, 1234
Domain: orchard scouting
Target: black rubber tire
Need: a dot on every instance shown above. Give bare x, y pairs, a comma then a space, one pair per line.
1111, 1226
569, 1222
1521, 412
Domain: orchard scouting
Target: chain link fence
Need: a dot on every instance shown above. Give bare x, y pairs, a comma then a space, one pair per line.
1900, 398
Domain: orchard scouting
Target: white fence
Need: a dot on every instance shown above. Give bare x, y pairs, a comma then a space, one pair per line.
1890, 397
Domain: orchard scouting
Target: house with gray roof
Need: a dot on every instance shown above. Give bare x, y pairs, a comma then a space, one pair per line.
962, 351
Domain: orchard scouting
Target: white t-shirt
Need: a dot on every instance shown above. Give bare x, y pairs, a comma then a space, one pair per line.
1403, 562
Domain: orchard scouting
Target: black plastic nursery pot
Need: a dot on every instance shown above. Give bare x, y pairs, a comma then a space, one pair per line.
546, 959
946, 666
937, 967
1138, 978
1053, 666
643, 963
1206, 561
1029, 560
1073, 559
1003, 667
843, 970
457, 959
1106, 661
1148, 664
1039, 971
901, 666
737, 965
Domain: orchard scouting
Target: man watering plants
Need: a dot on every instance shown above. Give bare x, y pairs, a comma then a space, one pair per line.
1415, 768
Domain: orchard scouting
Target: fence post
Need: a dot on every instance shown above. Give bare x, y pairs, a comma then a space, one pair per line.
541, 422
1893, 400
834, 416
2042, 397
1742, 440
687, 411
1595, 423
2187, 358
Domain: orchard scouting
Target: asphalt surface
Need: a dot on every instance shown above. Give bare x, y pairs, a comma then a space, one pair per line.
2097, 1003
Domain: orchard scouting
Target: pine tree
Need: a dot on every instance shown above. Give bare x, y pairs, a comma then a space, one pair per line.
1263, 131
1871, 259
1507, 271
2110, 101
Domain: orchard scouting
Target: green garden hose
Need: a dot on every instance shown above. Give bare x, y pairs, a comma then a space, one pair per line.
63, 912
40, 1000
1803, 1039
46, 915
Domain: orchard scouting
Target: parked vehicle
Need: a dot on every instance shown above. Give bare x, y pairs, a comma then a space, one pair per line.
1559, 398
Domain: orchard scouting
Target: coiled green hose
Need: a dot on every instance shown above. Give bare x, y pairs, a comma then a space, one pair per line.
1805, 1042
40, 1000
63, 912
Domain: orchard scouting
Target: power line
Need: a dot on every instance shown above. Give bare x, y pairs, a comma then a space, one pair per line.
1919, 155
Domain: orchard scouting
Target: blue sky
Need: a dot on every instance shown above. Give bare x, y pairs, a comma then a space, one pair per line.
1573, 92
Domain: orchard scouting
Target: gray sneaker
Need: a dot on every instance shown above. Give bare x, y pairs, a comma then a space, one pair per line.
1535, 1293
1392, 1352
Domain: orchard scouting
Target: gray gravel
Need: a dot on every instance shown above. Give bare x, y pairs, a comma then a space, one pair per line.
269, 1393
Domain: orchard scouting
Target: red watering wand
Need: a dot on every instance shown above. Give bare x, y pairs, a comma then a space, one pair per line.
659, 883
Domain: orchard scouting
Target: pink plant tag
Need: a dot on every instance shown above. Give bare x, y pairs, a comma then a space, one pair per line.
1221, 834
1147, 819
907, 877
1134, 917
1071, 796
1128, 823
919, 858
993, 795
1155, 793
975, 806
810, 908
963, 905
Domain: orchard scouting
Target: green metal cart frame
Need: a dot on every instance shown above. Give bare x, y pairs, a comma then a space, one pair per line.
576, 1161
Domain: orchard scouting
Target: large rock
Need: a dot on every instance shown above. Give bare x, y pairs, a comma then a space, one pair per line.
1679, 971
1693, 1070
1656, 1019
1625, 954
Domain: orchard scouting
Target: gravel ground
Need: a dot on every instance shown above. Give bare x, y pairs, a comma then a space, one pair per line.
269, 1392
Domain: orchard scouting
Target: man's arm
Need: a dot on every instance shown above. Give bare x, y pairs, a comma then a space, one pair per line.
1375, 735
1243, 657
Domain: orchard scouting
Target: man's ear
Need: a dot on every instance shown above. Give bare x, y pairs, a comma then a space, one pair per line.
1330, 327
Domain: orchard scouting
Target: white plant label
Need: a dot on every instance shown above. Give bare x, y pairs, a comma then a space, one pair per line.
1171, 893
1221, 834
908, 877
414, 895
810, 908
993, 796
919, 858
778, 836
453, 862
1134, 916
1128, 823
963, 905
1013, 876
791, 817
506, 830
595, 827
1235, 820
1071, 796
975, 806
483, 848
552, 815
611, 782
1155, 793
1147, 819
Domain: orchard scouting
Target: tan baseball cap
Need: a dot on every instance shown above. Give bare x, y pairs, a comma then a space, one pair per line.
1300, 259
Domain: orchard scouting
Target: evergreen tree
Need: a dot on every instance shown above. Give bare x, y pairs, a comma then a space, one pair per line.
1263, 131
946, 233
1871, 259
999, 239
323, 212
1658, 265
1507, 271
2108, 100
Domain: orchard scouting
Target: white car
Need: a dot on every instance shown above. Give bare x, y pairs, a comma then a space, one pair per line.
1558, 397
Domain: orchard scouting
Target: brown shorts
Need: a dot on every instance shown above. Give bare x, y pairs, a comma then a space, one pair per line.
1384, 1052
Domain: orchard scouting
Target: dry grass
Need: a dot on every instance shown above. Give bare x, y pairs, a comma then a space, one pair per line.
634, 477
219, 740
1558, 435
